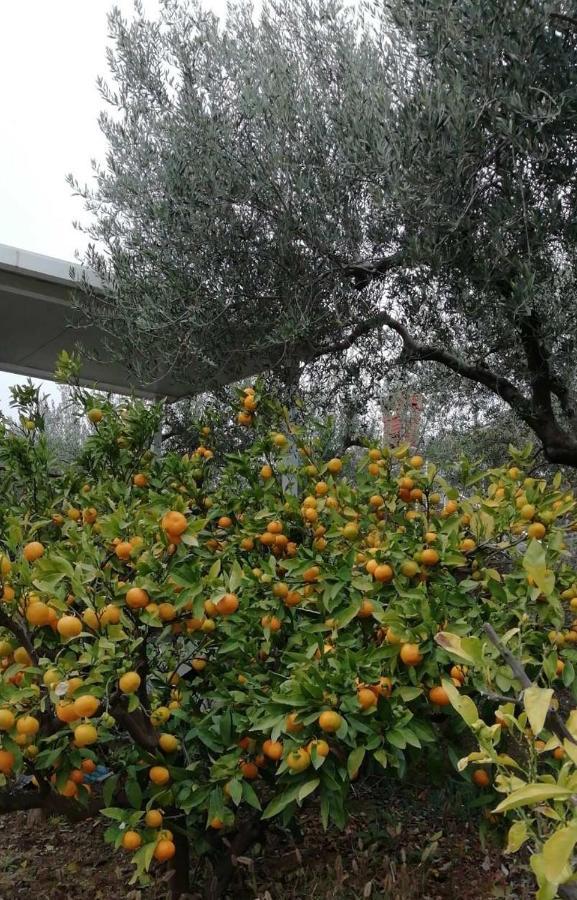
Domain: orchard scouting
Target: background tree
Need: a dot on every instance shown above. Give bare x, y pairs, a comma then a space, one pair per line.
393, 184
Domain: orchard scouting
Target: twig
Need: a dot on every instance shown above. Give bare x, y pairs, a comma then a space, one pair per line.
554, 720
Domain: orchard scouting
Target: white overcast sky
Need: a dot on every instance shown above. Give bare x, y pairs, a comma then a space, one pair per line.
51, 52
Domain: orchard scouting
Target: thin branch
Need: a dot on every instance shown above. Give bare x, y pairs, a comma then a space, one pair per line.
554, 720
20, 633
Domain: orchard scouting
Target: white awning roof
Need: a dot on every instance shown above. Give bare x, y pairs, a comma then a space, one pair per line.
38, 320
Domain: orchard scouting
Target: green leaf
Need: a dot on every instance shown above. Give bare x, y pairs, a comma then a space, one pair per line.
537, 702
277, 804
463, 705
134, 793
355, 760
531, 794
307, 788
468, 650
381, 757
535, 564
249, 795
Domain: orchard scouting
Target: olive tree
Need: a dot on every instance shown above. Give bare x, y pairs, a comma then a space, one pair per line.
321, 185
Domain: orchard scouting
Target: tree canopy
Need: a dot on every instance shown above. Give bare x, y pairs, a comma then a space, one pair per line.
390, 184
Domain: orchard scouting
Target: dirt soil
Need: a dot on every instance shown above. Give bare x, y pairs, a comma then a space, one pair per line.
417, 845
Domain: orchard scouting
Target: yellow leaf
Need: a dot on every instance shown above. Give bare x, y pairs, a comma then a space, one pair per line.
517, 836
531, 794
571, 750
537, 701
557, 852
463, 705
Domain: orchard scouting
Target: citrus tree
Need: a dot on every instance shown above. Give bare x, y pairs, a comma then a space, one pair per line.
225, 646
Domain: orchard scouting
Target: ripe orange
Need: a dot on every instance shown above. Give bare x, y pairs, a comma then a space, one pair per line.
383, 573
129, 683
411, 655
140, 480
84, 735
321, 747
266, 472
110, 615
366, 698
95, 415
174, 523
76, 776
7, 719
165, 849
224, 522
33, 551
153, 818
86, 705
27, 725
481, 778
249, 770
131, 840
123, 550
439, 696
330, 721
66, 712
429, 557
168, 742
272, 749
159, 775
69, 627
366, 610
334, 465
166, 612
409, 568
38, 613
7, 760
88, 766
291, 724
137, 598
536, 530
371, 566
298, 760
311, 575
467, 545
227, 605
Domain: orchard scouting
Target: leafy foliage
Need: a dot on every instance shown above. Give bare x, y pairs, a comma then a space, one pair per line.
239, 644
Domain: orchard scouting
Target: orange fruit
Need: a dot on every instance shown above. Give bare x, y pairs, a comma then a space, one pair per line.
321, 747
88, 766
136, 598
7, 719
298, 760
131, 840
95, 415
481, 778
140, 480
159, 775
311, 575
291, 724
86, 706
429, 557
66, 712
249, 770
168, 742
165, 850
366, 698
7, 760
123, 550
33, 551
330, 721
224, 522
366, 610
110, 615
174, 523
227, 605
536, 530
411, 655
69, 626
38, 613
266, 472
28, 725
334, 465
129, 683
272, 749
439, 696
166, 612
383, 573
84, 735
153, 818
